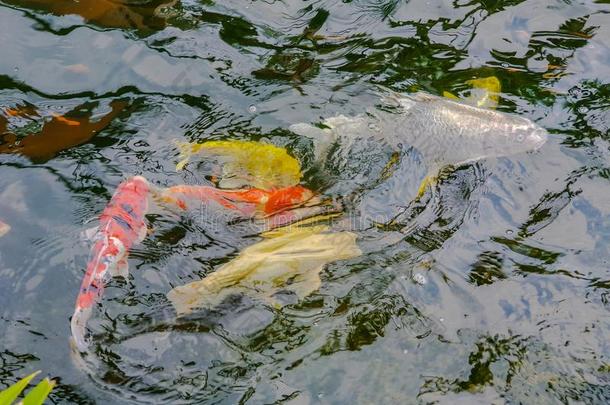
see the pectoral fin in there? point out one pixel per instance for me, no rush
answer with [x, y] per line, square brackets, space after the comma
[90, 233]
[322, 138]
[307, 283]
[450, 95]
[432, 180]
[121, 269]
[428, 181]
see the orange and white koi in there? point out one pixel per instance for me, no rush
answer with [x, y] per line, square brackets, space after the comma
[122, 225]
[249, 202]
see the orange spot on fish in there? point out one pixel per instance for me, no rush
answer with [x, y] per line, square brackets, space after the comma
[65, 120]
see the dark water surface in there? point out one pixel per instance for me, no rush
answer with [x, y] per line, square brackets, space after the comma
[495, 289]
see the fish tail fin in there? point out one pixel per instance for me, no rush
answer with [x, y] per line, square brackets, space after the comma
[78, 328]
[186, 150]
[322, 139]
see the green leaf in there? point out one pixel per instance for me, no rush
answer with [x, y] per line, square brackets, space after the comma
[39, 393]
[11, 393]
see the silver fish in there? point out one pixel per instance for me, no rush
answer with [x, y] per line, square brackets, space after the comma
[445, 132]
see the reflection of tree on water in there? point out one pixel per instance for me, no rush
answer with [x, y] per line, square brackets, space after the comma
[519, 368]
[107, 13]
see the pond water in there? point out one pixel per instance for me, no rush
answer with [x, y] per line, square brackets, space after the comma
[494, 287]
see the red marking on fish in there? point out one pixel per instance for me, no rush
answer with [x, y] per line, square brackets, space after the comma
[122, 224]
[248, 202]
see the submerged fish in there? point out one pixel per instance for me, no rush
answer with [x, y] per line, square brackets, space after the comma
[297, 255]
[270, 208]
[249, 202]
[246, 163]
[485, 92]
[142, 15]
[122, 225]
[445, 132]
[59, 133]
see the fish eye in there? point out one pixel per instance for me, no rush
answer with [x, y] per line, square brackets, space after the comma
[520, 137]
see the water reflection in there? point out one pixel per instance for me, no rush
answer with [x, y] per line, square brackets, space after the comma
[41, 138]
[143, 16]
[514, 251]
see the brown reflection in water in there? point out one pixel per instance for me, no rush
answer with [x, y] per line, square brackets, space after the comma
[106, 13]
[59, 133]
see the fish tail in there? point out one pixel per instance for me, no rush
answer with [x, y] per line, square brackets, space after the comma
[91, 290]
[78, 327]
[187, 149]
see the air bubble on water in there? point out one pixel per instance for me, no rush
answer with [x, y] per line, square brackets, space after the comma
[442, 319]
[320, 395]
[505, 65]
[373, 127]
[252, 109]
[405, 351]
[419, 278]
[509, 232]
[583, 110]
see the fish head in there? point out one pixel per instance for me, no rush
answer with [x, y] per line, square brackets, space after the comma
[527, 136]
[286, 198]
[512, 136]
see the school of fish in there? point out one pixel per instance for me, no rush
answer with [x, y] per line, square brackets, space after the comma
[445, 132]
[122, 225]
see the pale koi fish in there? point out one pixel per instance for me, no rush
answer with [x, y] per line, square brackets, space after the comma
[445, 132]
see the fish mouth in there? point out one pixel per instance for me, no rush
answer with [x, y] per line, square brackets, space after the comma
[539, 138]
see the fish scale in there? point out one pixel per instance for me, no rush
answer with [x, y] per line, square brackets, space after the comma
[445, 132]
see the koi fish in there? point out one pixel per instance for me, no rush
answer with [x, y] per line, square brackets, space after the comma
[246, 163]
[122, 225]
[249, 202]
[270, 209]
[60, 132]
[144, 16]
[298, 255]
[446, 132]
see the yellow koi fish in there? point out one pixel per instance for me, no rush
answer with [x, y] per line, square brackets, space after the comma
[246, 163]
